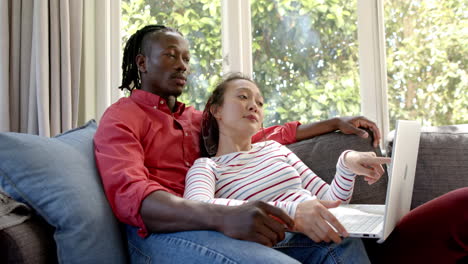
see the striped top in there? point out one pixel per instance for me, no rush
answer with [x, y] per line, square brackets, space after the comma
[268, 172]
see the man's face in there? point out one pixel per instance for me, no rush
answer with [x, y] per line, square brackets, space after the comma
[164, 65]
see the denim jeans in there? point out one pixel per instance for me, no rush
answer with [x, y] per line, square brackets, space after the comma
[305, 250]
[214, 247]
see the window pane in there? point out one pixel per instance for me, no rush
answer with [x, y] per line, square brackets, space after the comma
[305, 58]
[199, 21]
[427, 55]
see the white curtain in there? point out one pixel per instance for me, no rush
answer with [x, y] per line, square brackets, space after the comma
[45, 48]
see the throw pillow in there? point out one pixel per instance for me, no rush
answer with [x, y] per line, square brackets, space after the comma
[58, 178]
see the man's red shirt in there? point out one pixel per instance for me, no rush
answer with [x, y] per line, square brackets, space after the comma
[142, 147]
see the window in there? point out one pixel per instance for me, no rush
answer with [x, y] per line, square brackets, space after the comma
[317, 59]
[427, 55]
[305, 58]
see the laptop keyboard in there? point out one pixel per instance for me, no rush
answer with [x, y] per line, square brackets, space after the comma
[357, 221]
[360, 223]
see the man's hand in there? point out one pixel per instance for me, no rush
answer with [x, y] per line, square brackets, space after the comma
[256, 221]
[313, 219]
[366, 164]
[351, 125]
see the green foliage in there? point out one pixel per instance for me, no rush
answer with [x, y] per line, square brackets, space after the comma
[427, 54]
[305, 58]
[305, 55]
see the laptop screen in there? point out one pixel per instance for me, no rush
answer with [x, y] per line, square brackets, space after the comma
[401, 173]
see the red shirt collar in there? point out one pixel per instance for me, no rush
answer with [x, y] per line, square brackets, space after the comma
[151, 99]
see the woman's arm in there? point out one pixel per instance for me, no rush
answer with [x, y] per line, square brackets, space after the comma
[200, 186]
[341, 187]
[312, 216]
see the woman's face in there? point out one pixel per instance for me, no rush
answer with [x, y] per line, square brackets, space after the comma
[242, 109]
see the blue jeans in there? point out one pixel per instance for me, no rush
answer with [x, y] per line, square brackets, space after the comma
[214, 247]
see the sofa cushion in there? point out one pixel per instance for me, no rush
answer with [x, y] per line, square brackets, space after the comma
[57, 177]
[321, 153]
[442, 164]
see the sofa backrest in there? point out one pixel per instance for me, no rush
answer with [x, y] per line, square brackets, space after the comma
[442, 164]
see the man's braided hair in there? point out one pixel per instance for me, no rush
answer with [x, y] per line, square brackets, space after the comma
[130, 74]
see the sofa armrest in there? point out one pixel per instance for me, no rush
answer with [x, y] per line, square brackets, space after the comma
[24, 237]
[29, 242]
[321, 153]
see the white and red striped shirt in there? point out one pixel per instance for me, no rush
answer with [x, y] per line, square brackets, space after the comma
[268, 172]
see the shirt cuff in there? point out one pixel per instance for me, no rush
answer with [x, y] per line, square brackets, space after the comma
[341, 164]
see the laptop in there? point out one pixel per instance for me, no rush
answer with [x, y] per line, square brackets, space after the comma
[378, 221]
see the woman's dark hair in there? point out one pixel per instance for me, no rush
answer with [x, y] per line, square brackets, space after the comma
[209, 137]
[135, 46]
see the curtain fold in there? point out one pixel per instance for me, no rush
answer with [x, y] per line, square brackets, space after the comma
[4, 66]
[57, 69]
[39, 111]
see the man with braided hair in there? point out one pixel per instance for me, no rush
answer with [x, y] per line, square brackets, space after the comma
[145, 145]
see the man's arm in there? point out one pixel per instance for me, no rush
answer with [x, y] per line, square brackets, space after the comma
[165, 212]
[347, 125]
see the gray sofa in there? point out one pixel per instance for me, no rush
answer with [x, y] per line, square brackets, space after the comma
[29, 235]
